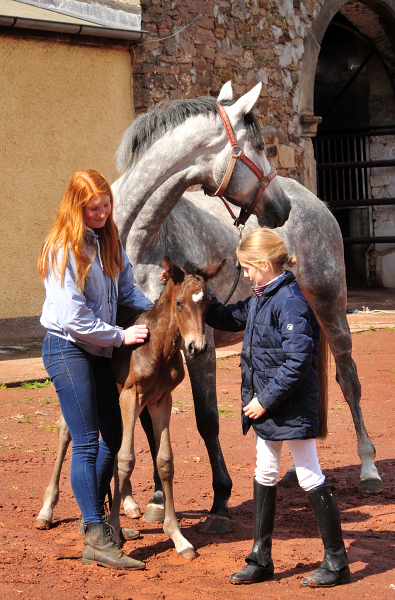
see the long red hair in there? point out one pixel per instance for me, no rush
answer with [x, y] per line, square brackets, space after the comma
[68, 232]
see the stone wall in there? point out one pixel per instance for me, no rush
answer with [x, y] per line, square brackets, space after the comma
[245, 41]
[382, 181]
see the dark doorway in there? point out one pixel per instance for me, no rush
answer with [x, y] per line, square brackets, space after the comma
[344, 97]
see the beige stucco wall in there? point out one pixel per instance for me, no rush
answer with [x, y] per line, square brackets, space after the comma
[63, 107]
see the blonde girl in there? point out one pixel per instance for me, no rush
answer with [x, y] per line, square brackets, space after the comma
[279, 391]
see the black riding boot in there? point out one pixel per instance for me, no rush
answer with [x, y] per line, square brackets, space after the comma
[259, 561]
[334, 569]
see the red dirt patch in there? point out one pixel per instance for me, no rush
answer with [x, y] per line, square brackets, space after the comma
[43, 565]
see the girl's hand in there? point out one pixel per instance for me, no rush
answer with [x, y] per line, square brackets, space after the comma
[136, 334]
[254, 410]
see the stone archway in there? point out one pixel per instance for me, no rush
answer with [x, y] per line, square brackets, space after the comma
[384, 9]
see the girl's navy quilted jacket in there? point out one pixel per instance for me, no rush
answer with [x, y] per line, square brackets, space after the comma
[279, 358]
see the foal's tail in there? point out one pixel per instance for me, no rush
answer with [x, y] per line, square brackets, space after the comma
[323, 356]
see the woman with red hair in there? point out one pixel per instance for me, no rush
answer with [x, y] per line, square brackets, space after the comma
[86, 274]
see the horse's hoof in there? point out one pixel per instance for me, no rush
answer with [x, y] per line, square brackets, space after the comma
[370, 485]
[129, 534]
[188, 554]
[155, 513]
[42, 523]
[290, 477]
[217, 524]
[133, 513]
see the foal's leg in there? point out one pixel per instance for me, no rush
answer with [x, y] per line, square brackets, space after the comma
[160, 415]
[334, 323]
[130, 505]
[126, 459]
[51, 494]
[154, 510]
[202, 373]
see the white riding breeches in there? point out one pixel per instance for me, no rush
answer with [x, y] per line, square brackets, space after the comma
[304, 454]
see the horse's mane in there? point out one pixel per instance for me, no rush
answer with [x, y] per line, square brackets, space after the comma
[152, 125]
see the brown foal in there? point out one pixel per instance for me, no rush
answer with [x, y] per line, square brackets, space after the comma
[146, 375]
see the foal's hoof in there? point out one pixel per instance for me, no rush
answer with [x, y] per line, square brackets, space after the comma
[128, 534]
[42, 523]
[155, 513]
[217, 524]
[371, 485]
[131, 508]
[188, 554]
[133, 513]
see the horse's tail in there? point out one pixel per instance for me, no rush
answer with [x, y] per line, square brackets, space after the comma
[323, 357]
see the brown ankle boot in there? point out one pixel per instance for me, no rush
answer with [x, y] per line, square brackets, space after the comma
[99, 547]
[125, 533]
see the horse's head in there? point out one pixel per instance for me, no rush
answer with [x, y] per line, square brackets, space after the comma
[190, 301]
[273, 205]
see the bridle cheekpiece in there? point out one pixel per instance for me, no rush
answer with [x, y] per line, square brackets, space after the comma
[239, 221]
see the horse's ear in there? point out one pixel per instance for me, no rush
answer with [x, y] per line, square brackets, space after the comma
[244, 104]
[226, 92]
[172, 270]
[212, 270]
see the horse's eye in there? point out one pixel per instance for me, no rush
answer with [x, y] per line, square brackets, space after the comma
[178, 304]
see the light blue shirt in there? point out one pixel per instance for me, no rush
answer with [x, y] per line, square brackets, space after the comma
[87, 318]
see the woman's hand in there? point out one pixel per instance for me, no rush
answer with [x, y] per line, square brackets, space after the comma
[254, 410]
[136, 334]
[163, 276]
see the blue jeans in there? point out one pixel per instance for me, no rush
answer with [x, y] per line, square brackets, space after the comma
[89, 401]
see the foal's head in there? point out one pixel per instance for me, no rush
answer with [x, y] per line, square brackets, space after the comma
[190, 301]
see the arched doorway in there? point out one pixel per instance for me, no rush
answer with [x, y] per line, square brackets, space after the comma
[354, 94]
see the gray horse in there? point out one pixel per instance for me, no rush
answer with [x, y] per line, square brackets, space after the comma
[184, 143]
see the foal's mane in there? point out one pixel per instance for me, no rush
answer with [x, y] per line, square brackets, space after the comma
[152, 125]
[192, 269]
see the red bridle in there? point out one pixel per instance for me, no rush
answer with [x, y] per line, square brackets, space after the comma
[237, 153]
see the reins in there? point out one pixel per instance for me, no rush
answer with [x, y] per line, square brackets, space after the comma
[239, 221]
[245, 213]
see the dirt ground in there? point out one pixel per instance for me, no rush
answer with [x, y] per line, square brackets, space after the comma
[43, 565]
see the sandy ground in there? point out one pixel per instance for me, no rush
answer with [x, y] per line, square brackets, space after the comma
[41, 565]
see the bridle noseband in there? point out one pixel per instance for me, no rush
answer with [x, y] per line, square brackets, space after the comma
[237, 153]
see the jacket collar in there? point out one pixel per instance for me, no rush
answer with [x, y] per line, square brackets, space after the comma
[95, 240]
[286, 277]
[90, 233]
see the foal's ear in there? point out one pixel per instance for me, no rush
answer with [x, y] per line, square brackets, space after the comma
[173, 271]
[212, 271]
